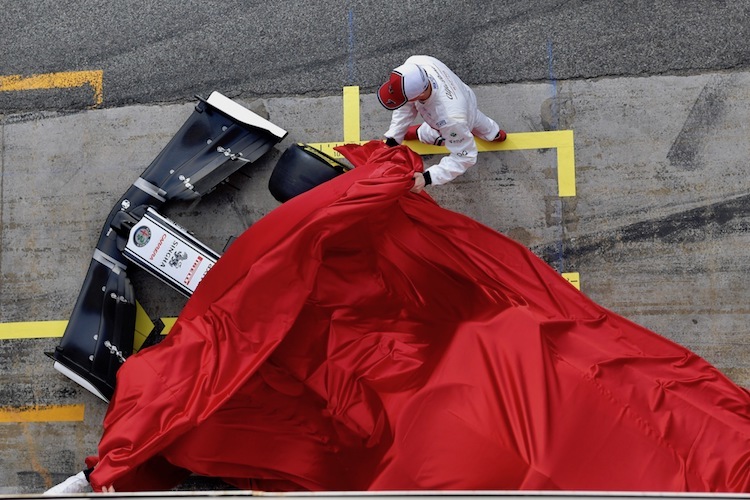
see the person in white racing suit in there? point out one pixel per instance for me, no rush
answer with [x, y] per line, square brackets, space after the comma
[425, 86]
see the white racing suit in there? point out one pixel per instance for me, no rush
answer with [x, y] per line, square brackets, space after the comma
[450, 113]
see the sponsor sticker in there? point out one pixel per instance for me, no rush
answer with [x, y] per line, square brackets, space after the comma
[169, 254]
[193, 268]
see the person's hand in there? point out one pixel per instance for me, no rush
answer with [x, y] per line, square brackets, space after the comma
[108, 489]
[419, 183]
[390, 142]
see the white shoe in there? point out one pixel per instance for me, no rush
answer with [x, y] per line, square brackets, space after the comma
[74, 484]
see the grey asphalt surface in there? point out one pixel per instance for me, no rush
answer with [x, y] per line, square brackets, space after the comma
[154, 52]
[655, 92]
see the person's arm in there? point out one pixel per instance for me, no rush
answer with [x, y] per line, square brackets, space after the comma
[400, 121]
[463, 154]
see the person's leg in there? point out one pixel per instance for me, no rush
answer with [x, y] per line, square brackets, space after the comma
[429, 135]
[411, 133]
[74, 484]
[486, 128]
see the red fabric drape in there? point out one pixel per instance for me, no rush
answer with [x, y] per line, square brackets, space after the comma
[360, 337]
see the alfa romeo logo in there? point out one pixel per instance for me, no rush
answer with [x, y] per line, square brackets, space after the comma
[142, 236]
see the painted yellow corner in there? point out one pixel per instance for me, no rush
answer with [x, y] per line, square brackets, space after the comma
[560, 140]
[68, 79]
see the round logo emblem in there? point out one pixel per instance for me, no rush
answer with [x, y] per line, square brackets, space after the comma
[142, 236]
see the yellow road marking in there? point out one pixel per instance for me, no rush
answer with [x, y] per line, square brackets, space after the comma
[55, 413]
[32, 330]
[573, 278]
[56, 329]
[351, 114]
[560, 140]
[67, 79]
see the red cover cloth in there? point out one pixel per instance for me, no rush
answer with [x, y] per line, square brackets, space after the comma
[360, 337]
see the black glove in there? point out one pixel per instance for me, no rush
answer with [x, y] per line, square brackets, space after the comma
[390, 142]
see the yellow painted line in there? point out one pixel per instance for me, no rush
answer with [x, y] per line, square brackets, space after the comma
[67, 79]
[56, 413]
[566, 165]
[351, 114]
[32, 330]
[560, 140]
[327, 147]
[573, 278]
[56, 329]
